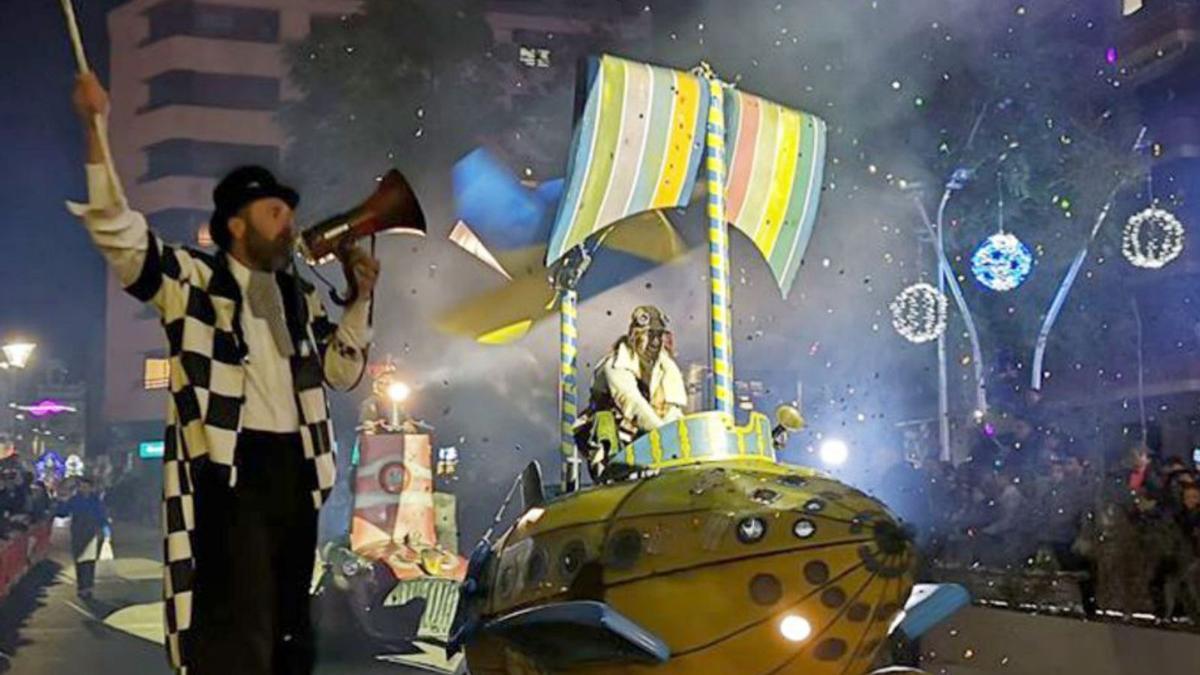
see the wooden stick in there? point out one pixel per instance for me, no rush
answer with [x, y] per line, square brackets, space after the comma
[102, 134]
[101, 125]
[76, 40]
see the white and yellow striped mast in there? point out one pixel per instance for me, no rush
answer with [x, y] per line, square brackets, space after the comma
[720, 334]
[568, 392]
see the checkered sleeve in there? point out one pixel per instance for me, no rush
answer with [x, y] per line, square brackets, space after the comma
[149, 270]
[164, 272]
[343, 348]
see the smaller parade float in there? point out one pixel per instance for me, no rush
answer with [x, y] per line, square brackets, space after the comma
[395, 581]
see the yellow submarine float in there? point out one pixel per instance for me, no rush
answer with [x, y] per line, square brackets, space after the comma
[708, 556]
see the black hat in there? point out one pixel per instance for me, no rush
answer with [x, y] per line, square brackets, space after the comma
[243, 186]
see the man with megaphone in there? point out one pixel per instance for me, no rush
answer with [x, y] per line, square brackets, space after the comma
[248, 446]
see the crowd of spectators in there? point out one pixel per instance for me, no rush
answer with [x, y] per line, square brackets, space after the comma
[1124, 526]
[23, 499]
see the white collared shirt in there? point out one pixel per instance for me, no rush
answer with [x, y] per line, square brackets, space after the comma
[123, 238]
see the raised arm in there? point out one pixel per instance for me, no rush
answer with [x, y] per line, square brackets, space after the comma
[148, 269]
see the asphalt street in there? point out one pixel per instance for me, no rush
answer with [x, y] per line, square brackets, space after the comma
[46, 630]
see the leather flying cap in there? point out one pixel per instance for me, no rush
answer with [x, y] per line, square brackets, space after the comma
[648, 317]
[243, 186]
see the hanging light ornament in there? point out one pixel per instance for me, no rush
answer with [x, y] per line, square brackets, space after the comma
[50, 467]
[1152, 238]
[74, 466]
[919, 313]
[1002, 261]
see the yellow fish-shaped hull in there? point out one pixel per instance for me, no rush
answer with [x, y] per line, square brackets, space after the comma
[738, 565]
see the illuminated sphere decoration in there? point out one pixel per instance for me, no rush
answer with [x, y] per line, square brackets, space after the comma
[1152, 239]
[1001, 262]
[919, 313]
[74, 466]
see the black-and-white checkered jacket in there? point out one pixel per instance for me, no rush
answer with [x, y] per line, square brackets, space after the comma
[200, 303]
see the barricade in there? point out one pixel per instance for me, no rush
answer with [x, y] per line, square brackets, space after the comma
[20, 551]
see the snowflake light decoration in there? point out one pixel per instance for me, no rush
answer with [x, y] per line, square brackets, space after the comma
[919, 313]
[1001, 262]
[1152, 238]
[50, 467]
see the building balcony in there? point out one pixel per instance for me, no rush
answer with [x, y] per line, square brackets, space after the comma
[1160, 37]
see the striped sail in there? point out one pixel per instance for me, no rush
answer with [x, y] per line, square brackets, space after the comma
[776, 158]
[637, 147]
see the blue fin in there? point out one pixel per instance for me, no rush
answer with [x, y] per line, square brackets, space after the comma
[929, 605]
[568, 634]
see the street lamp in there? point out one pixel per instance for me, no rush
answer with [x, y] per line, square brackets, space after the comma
[16, 354]
[16, 357]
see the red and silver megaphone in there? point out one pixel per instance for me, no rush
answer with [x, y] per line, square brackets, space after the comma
[392, 208]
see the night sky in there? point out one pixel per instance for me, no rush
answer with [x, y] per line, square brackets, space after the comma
[52, 280]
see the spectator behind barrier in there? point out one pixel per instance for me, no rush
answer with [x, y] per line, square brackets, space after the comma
[15, 498]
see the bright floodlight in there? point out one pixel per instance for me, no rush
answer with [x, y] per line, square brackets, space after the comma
[398, 392]
[795, 628]
[834, 452]
[17, 353]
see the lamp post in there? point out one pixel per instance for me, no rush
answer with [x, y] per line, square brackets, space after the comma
[16, 356]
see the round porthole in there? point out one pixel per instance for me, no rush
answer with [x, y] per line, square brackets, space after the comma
[765, 590]
[571, 558]
[804, 528]
[751, 530]
[624, 549]
[392, 477]
[816, 572]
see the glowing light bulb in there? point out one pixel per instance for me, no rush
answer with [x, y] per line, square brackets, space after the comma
[398, 392]
[834, 452]
[795, 628]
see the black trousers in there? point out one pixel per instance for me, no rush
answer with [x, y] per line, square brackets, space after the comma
[254, 552]
[85, 576]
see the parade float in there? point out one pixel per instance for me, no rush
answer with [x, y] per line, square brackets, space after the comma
[702, 552]
[392, 587]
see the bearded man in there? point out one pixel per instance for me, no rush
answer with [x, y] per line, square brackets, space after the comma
[248, 449]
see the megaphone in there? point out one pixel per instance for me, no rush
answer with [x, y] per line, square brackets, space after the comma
[392, 209]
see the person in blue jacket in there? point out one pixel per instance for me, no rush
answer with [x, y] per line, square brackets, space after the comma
[89, 529]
